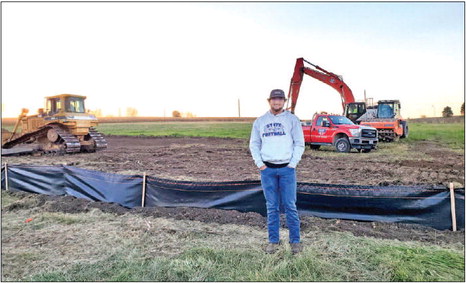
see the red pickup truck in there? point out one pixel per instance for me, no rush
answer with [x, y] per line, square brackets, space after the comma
[339, 131]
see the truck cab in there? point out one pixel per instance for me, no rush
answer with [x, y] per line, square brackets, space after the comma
[340, 132]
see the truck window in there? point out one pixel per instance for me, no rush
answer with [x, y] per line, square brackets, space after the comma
[325, 119]
[319, 121]
[341, 120]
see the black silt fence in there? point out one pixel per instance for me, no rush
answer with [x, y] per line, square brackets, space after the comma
[106, 187]
[244, 196]
[424, 205]
[406, 204]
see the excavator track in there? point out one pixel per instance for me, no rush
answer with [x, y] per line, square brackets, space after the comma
[100, 142]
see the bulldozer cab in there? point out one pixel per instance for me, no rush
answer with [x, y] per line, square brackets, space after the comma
[65, 103]
[355, 110]
[388, 108]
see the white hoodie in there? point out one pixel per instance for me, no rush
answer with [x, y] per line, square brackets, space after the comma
[277, 139]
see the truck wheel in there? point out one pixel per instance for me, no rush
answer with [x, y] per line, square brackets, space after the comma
[367, 150]
[342, 145]
[405, 129]
[315, 146]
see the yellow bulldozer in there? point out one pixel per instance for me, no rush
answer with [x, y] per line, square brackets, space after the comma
[63, 126]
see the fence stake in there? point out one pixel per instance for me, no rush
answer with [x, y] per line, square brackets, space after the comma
[6, 176]
[453, 207]
[143, 189]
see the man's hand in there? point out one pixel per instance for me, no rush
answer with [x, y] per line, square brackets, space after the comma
[263, 167]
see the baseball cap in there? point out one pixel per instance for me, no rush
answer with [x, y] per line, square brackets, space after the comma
[277, 93]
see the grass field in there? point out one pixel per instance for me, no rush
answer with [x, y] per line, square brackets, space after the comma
[451, 134]
[179, 129]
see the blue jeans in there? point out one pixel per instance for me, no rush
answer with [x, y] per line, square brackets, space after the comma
[279, 185]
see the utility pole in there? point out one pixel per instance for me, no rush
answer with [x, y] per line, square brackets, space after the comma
[239, 108]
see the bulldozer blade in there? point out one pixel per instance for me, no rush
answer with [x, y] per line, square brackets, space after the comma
[26, 149]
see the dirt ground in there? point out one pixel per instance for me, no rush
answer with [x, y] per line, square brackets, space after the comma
[225, 159]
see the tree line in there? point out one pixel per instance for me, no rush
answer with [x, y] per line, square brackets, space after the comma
[447, 112]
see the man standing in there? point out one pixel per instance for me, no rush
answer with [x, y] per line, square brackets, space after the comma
[277, 144]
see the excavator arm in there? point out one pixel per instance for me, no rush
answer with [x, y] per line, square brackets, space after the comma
[320, 74]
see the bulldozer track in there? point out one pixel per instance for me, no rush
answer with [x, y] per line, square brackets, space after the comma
[100, 142]
[71, 143]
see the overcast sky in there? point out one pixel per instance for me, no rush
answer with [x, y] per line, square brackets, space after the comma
[203, 57]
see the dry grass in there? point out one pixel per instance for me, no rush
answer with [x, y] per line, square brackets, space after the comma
[97, 246]
[57, 240]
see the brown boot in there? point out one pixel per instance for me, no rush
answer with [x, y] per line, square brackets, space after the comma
[272, 248]
[296, 248]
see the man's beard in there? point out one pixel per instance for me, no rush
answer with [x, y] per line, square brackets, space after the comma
[277, 108]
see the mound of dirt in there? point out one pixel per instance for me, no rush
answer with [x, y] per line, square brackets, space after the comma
[402, 232]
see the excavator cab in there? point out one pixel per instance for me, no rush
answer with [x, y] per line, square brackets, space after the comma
[388, 109]
[354, 110]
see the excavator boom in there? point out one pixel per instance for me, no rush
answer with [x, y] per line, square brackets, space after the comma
[320, 74]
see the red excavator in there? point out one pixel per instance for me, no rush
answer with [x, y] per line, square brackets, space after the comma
[385, 117]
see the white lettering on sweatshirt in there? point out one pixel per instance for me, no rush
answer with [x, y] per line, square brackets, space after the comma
[277, 139]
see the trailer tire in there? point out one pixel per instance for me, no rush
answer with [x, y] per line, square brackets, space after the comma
[342, 145]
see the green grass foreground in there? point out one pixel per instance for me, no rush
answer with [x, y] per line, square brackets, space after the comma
[343, 257]
[136, 248]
